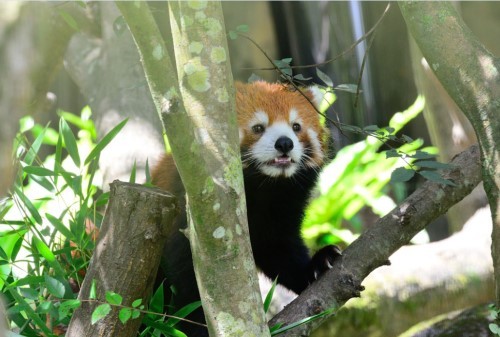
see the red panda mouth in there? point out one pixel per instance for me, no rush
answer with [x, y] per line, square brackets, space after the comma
[281, 162]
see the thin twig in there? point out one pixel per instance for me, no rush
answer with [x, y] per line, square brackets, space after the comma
[358, 41]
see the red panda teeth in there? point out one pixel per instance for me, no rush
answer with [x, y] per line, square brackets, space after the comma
[281, 161]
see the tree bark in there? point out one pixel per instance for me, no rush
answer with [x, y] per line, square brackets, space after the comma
[200, 121]
[108, 71]
[470, 74]
[31, 51]
[423, 281]
[126, 257]
[449, 130]
[374, 247]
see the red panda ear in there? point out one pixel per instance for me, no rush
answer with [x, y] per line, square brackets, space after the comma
[316, 95]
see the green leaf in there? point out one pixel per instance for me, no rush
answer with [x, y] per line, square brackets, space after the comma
[436, 177]
[96, 151]
[102, 200]
[33, 150]
[69, 19]
[29, 293]
[26, 123]
[29, 205]
[124, 315]
[433, 164]
[254, 78]
[135, 313]
[422, 155]
[25, 306]
[494, 328]
[93, 290]
[233, 35]
[302, 321]
[269, 296]
[283, 66]
[113, 298]
[350, 88]
[402, 174]
[371, 128]
[148, 174]
[58, 159]
[81, 123]
[137, 303]
[59, 226]
[69, 141]
[47, 254]
[156, 304]
[54, 286]
[100, 312]
[132, 174]
[39, 171]
[393, 153]
[301, 77]
[183, 312]
[67, 306]
[168, 330]
[242, 28]
[324, 77]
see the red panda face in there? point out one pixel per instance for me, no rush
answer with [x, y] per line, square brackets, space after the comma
[280, 131]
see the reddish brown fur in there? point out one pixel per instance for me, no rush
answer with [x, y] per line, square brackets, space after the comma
[276, 100]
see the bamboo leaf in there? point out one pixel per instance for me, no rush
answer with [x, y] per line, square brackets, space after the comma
[69, 141]
[269, 296]
[96, 151]
[29, 205]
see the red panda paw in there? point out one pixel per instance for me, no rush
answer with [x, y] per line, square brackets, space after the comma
[323, 260]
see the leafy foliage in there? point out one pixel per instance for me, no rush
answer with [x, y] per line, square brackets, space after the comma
[47, 223]
[358, 177]
[47, 229]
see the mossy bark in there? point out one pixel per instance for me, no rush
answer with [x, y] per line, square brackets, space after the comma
[470, 75]
[199, 116]
[126, 257]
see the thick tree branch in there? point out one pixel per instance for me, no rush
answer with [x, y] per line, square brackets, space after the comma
[471, 75]
[374, 247]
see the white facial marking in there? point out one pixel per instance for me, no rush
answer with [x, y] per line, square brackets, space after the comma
[316, 144]
[260, 117]
[293, 115]
[265, 153]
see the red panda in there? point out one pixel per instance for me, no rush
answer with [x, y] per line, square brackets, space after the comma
[283, 147]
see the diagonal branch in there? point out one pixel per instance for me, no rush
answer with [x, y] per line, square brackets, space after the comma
[374, 247]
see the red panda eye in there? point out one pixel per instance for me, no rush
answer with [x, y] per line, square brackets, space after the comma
[259, 128]
[296, 127]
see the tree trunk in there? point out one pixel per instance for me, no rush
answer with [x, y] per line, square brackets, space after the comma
[31, 51]
[470, 75]
[449, 130]
[126, 257]
[108, 71]
[199, 117]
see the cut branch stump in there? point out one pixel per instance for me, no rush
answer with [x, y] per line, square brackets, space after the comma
[126, 257]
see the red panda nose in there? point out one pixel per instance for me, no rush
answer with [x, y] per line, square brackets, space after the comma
[284, 144]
